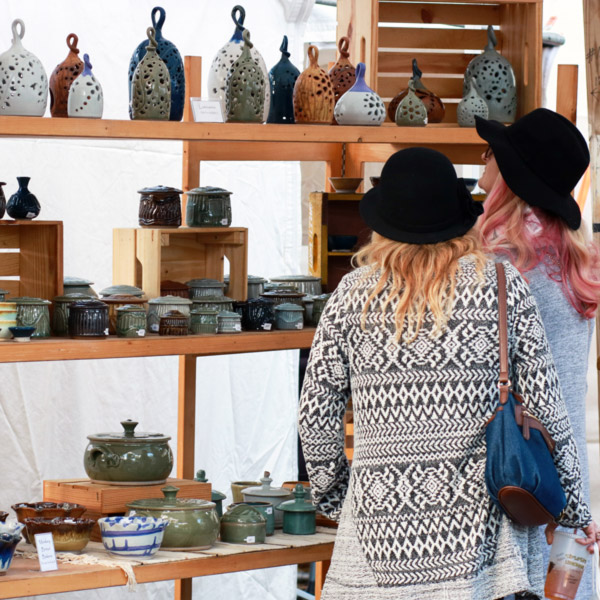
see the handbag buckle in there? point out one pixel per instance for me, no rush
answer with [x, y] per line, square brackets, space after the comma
[502, 384]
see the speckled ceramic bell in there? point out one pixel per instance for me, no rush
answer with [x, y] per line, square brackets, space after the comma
[62, 78]
[343, 73]
[494, 80]
[151, 85]
[282, 78]
[411, 112]
[360, 105]
[313, 93]
[85, 94]
[170, 56]
[23, 80]
[472, 104]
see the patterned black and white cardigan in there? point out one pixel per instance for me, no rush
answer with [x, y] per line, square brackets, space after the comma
[421, 509]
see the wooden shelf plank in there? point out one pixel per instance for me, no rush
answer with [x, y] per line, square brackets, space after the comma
[154, 345]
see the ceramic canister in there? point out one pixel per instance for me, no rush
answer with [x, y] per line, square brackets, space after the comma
[115, 301]
[34, 312]
[289, 316]
[157, 307]
[160, 206]
[258, 315]
[60, 317]
[131, 321]
[86, 98]
[299, 515]
[256, 286]
[8, 318]
[3, 294]
[205, 287]
[208, 207]
[282, 296]
[78, 285]
[229, 322]
[174, 322]
[203, 320]
[243, 524]
[267, 493]
[218, 303]
[88, 319]
[307, 284]
[265, 509]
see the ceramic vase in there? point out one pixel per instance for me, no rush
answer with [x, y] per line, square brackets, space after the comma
[282, 78]
[411, 112]
[343, 73]
[151, 85]
[170, 56]
[224, 59]
[494, 81]
[246, 87]
[85, 95]
[23, 204]
[360, 105]
[472, 104]
[23, 81]
[2, 200]
[62, 78]
[434, 105]
[313, 93]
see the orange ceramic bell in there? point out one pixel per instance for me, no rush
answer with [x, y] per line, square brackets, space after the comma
[313, 93]
[343, 73]
[63, 76]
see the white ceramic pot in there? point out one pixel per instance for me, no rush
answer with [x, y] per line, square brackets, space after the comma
[85, 94]
[360, 105]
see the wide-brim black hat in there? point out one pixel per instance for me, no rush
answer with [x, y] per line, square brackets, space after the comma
[419, 199]
[541, 157]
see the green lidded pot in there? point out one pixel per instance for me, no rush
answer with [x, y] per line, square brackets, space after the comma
[203, 320]
[266, 510]
[34, 312]
[157, 307]
[208, 207]
[215, 496]
[289, 316]
[115, 301]
[131, 321]
[218, 303]
[60, 318]
[193, 524]
[243, 524]
[229, 322]
[128, 458]
[205, 287]
[266, 493]
[299, 515]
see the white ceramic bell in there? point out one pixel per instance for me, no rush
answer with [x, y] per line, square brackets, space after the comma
[360, 105]
[224, 59]
[472, 104]
[85, 95]
[23, 81]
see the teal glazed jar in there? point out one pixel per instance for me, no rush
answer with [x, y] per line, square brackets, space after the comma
[289, 316]
[229, 322]
[208, 207]
[34, 312]
[215, 496]
[203, 320]
[299, 515]
[60, 317]
[131, 321]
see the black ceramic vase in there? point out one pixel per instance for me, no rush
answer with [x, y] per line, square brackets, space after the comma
[2, 200]
[282, 78]
[23, 204]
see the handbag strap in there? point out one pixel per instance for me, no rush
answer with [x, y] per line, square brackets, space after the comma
[503, 382]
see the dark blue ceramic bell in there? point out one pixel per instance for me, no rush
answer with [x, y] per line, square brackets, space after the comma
[282, 78]
[23, 204]
[170, 56]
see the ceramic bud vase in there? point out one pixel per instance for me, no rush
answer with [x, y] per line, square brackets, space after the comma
[246, 88]
[85, 96]
[151, 85]
[343, 73]
[282, 78]
[434, 105]
[411, 111]
[23, 81]
[170, 56]
[360, 105]
[62, 78]
[224, 59]
[472, 104]
[23, 204]
[2, 200]
[494, 80]
[313, 93]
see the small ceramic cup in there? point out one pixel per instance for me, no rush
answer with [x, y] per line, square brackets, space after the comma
[22, 333]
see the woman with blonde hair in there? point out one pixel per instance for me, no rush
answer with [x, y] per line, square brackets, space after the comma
[412, 336]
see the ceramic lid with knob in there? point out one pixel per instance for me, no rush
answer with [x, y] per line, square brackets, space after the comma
[299, 504]
[123, 299]
[289, 306]
[265, 489]
[215, 494]
[128, 435]
[282, 293]
[131, 290]
[208, 191]
[71, 297]
[160, 189]
[171, 502]
[204, 282]
[170, 300]
[76, 281]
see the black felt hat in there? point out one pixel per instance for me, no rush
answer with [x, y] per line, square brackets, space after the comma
[541, 157]
[419, 199]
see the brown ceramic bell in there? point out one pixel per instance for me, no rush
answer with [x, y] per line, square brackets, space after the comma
[63, 76]
[313, 93]
[433, 104]
[343, 73]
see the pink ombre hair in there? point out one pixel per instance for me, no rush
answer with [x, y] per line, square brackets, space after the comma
[568, 256]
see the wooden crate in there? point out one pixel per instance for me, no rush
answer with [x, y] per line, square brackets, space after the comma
[443, 36]
[31, 252]
[145, 257]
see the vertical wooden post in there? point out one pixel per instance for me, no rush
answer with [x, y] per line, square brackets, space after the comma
[321, 573]
[566, 91]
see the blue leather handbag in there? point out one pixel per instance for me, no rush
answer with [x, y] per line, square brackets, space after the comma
[519, 473]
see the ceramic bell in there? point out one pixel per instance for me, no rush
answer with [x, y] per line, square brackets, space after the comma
[343, 73]
[151, 85]
[246, 88]
[85, 95]
[282, 78]
[434, 105]
[494, 80]
[23, 204]
[224, 59]
[170, 56]
[62, 78]
[23, 81]
[2, 200]
[411, 111]
[472, 104]
[313, 93]
[360, 105]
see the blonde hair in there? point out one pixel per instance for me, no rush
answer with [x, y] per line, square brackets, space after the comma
[422, 277]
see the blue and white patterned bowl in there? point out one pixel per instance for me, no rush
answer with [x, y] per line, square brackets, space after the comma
[132, 536]
[10, 535]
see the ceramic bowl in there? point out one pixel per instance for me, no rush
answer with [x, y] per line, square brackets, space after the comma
[345, 185]
[10, 534]
[69, 534]
[46, 510]
[470, 183]
[341, 243]
[21, 333]
[132, 536]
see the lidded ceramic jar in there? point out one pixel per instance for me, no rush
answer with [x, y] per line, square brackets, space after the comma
[174, 288]
[289, 316]
[282, 296]
[208, 207]
[8, 318]
[160, 206]
[88, 319]
[205, 287]
[115, 301]
[86, 99]
[318, 306]
[243, 524]
[360, 105]
[282, 78]
[62, 78]
[193, 524]
[78, 285]
[174, 322]
[34, 312]
[218, 303]
[130, 290]
[307, 284]
[265, 509]
[215, 496]
[229, 322]
[267, 493]
[256, 286]
[258, 315]
[299, 515]
[131, 321]
[157, 307]
[60, 317]
[128, 457]
[203, 320]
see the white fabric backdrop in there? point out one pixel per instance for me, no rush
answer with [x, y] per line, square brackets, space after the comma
[246, 405]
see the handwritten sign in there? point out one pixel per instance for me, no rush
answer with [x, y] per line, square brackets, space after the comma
[206, 111]
[46, 554]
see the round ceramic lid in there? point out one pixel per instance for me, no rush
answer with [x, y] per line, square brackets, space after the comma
[88, 304]
[122, 289]
[73, 297]
[251, 279]
[170, 300]
[292, 278]
[26, 300]
[171, 502]
[76, 281]
[123, 299]
[282, 294]
[265, 489]
[289, 306]
[212, 298]
[128, 435]
[200, 283]
[208, 191]
[242, 513]
[131, 308]
[160, 189]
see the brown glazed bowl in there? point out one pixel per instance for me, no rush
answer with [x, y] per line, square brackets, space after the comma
[69, 534]
[46, 510]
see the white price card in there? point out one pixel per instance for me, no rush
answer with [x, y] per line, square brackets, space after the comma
[45, 549]
[206, 111]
